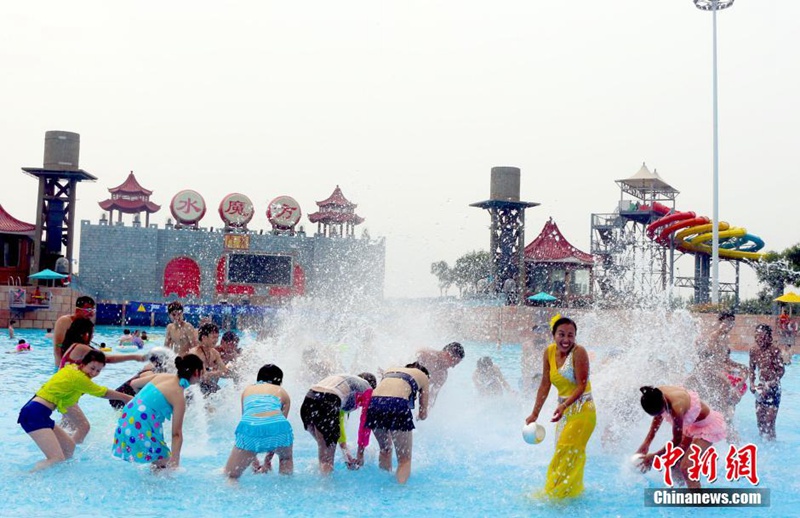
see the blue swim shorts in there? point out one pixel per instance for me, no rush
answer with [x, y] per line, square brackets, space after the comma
[35, 416]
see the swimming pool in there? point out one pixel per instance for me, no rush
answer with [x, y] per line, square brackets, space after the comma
[469, 458]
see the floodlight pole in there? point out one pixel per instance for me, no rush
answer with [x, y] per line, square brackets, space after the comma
[714, 6]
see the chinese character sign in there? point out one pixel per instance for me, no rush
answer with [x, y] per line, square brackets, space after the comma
[188, 207]
[283, 212]
[236, 210]
[739, 463]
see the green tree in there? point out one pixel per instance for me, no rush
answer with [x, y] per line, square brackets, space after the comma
[471, 268]
[445, 275]
[778, 269]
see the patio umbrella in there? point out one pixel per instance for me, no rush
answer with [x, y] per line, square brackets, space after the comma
[789, 298]
[47, 275]
[542, 297]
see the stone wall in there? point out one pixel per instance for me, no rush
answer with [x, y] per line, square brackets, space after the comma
[120, 263]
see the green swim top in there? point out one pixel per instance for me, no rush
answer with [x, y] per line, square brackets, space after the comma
[66, 387]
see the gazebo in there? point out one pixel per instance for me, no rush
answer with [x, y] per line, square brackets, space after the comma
[555, 266]
[129, 198]
[16, 240]
[336, 212]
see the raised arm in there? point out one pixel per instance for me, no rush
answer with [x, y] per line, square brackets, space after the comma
[544, 389]
[118, 358]
[142, 380]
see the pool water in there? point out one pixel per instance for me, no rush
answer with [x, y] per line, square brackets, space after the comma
[469, 458]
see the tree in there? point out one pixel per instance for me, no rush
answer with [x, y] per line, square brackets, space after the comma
[471, 268]
[445, 275]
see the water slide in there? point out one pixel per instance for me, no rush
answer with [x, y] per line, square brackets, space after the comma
[693, 234]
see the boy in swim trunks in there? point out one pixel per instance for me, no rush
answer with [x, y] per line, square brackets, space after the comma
[766, 359]
[390, 418]
[181, 336]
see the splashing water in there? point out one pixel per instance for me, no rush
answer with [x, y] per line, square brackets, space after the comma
[469, 458]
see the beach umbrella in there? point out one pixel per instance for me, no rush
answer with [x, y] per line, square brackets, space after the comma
[47, 275]
[542, 297]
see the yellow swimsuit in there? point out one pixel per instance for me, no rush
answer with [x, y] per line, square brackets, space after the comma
[565, 474]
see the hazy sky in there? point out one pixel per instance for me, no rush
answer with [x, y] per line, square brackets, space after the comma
[407, 105]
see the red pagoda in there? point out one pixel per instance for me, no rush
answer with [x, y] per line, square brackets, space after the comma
[336, 216]
[16, 239]
[556, 267]
[130, 198]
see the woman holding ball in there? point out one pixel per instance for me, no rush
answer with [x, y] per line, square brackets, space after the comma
[565, 364]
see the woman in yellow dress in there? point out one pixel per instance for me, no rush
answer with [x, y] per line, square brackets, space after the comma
[566, 365]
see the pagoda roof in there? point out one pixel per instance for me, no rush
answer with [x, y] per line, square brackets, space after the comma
[550, 246]
[336, 199]
[129, 206]
[130, 186]
[11, 225]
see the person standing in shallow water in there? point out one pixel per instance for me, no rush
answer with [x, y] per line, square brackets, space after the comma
[565, 364]
[180, 334]
[766, 360]
[390, 416]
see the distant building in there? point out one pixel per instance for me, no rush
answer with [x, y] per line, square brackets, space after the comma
[556, 267]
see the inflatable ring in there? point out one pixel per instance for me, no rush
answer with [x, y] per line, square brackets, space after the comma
[106, 349]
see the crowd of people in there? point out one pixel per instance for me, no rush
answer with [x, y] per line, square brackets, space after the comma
[700, 410]
[156, 394]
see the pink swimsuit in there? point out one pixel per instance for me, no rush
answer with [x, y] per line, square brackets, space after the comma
[712, 428]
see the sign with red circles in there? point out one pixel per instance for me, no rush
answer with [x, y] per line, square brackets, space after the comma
[188, 207]
[284, 212]
[236, 210]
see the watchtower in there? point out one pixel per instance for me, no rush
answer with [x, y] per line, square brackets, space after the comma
[55, 207]
[507, 231]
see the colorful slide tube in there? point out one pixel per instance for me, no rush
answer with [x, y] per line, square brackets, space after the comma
[693, 234]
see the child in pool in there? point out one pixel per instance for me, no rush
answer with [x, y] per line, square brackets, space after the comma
[62, 391]
[264, 427]
[21, 347]
[139, 436]
[693, 423]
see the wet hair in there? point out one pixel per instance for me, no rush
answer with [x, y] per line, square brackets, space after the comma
[271, 374]
[22, 341]
[84, 302]
[652, 400]
[126, 331]
[726, 315]
[76, 332]
[207, 329]
[484, 362]
[93, 356]
[369, 378]
[230, 336]
[174, 306]
[188, 365]
[456, 349]
[766, 329]
[562, 321]
[419, 366]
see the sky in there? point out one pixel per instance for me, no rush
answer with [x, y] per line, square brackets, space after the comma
[407, 106]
